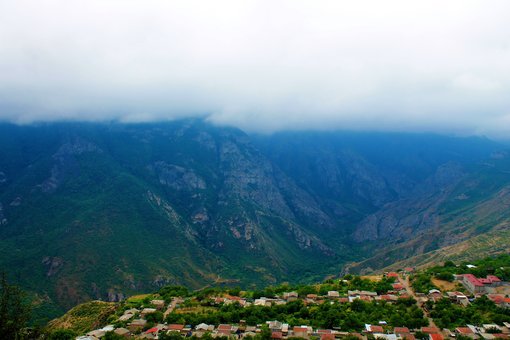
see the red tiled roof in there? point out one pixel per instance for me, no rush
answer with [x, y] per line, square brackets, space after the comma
[471, 278]
[392, 274]
[497, 299]
[376, 329]
[436, 336]
[298, 329]
[408, 337]
[464, 330]
[152, 330]
[397, 286]
[400, 330]
[224, 327]
[329, 336]
[175, 327]
[493, 278]
[501, 336]
[430, 330]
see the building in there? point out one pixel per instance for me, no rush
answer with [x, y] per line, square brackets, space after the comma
[480, 285]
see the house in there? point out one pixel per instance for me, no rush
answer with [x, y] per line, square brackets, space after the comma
[263, 302]
[176, 328]
[146, 311]
[466, 331]
[137, 325]
[435, 295]
[498, 299]
[153, 331]
[128, 314]
[226, 329]
[392, 274]
[300, 331]
[274, 326]
[327, 336]
[397, 286]
[122, 332]
[232, 299]
[290, 296]
[480, 285]
[333, 294]
[204, 327]
[435, 336]
[373, 329]
[159, 304]
[401, 330]
[430, 330]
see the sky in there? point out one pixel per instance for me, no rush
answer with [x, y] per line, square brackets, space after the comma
[428, 66]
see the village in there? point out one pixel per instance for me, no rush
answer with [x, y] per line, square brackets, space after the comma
[139, 322]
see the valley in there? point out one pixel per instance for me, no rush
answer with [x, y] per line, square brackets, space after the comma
[103, 211]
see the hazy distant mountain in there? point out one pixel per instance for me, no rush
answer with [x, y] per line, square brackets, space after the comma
[103, 210]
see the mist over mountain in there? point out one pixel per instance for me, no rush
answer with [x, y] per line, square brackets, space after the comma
[99, 211]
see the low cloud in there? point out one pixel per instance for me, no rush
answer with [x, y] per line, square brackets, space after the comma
[260, 65]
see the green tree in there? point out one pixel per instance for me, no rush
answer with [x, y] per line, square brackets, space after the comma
[112, 336]
[14, 310]
[62, 334]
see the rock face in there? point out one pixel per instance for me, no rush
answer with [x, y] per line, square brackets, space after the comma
[177, 177]
[65, 163]
[52, 264]
[404, 218]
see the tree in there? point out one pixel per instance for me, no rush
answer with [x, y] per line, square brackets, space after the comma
[14, 310]
[62, 334]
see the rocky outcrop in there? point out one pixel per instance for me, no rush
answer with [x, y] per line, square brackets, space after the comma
[249, 176]
[65, 163]
[177, 177]
[52, 264]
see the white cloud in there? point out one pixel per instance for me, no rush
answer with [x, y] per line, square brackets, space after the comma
[260, 65]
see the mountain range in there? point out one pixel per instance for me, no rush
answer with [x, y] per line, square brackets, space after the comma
[104, 210]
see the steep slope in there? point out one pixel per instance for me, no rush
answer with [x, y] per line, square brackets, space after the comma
[96, 212]
[456, 221]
